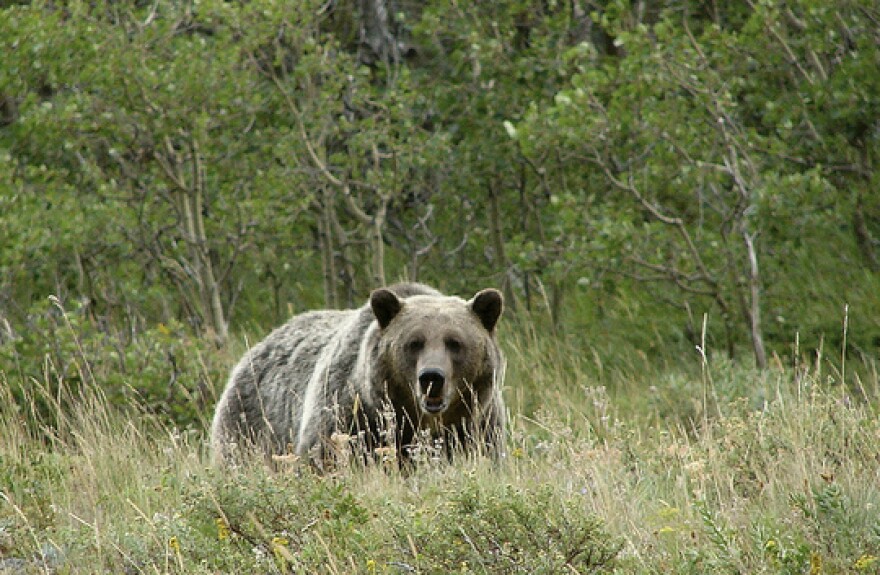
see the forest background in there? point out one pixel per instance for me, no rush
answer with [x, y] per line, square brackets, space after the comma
[655, 185]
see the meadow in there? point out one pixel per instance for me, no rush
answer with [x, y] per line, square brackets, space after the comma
[708, 468]
[182, 175]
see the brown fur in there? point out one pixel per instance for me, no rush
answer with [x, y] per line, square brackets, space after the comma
[411, 362]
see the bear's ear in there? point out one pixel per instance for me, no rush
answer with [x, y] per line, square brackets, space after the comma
[487, 305]
[385, 306]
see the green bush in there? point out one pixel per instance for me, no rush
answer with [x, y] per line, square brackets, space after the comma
[164, 369]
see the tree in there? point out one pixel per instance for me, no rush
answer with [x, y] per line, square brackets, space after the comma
[162, 142]
[222, 163]
[683, 124]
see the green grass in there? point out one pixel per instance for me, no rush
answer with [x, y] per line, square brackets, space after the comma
[706, 469]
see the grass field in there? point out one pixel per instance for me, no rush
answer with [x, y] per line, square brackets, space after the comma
[712, 468]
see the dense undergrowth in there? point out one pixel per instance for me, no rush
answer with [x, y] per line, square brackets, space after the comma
[710, 469]
[667, 192]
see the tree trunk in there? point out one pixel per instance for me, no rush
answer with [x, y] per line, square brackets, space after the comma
[863, 236]
[497, 237]
[378, 42]
[345, 274]
[189, 198]
[378, 241]
[209, 284]
[325, 239]
[753, 309]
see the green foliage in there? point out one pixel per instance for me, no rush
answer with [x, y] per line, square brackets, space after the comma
[700, 134]
[455, 525]
[163, 369]
[499, 528]
[590, 485]
[216, 163]
[645, 181]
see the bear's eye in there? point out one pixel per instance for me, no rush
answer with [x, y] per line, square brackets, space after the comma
[453, 344]
[415, 345]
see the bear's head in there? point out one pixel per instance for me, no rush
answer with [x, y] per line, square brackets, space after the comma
[437, 352]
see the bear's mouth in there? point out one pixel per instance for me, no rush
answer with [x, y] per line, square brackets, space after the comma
[431, 386]
[433, 405]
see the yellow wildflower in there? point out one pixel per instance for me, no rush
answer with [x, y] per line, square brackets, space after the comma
[174, 545]
[864, 562]
[815, 564]
[280, 550]
[222, 529]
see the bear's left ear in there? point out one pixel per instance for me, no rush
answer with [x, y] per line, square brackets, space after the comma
[385, 306]
[487, 305]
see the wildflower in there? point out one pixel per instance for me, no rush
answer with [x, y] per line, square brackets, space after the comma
[371, 565]
[174, 545]
[385, 453]
[815, 564]
[518, 453]
[668, 512]
[279, 542]
[280, 550]
[222, 529]
[259, 554]
[864, 562]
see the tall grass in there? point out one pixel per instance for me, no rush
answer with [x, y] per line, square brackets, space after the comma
[709, 468]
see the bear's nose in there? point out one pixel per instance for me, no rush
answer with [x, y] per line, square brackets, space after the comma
[431, 381]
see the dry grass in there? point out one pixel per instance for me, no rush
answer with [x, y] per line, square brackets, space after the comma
[729, 470]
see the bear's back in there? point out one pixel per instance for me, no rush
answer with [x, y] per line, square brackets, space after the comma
[265, 398]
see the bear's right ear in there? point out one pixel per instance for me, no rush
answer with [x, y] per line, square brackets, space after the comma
[487, 304]
[385, 306]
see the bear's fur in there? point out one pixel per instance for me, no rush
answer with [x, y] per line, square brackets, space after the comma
[430, 360]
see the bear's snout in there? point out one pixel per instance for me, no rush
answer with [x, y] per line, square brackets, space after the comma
[431, 383]
[432, 380]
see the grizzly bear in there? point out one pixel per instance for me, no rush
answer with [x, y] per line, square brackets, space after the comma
[410, 364]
